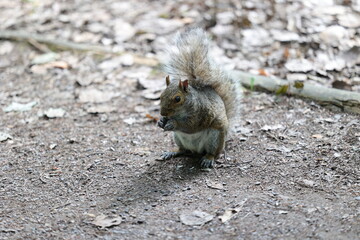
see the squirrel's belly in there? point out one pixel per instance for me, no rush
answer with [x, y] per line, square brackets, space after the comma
[197, 142]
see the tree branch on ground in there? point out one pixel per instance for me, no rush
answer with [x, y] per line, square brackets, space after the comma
[33, 39]
[345, 100]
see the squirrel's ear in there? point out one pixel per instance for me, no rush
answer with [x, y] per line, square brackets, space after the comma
[167, 80]
[185, 85]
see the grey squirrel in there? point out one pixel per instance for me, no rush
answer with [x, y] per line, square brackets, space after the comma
[200, 102]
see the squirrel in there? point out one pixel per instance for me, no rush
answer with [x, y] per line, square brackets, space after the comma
[201, 101]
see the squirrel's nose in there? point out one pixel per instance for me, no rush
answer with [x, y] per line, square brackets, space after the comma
[163, 112]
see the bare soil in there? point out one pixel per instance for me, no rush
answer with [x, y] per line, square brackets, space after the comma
[291, 169]
[293, 166]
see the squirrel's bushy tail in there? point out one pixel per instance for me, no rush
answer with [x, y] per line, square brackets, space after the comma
[189, 59]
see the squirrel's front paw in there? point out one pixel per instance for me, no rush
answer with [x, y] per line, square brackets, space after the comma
[162, 122]
[169, 126]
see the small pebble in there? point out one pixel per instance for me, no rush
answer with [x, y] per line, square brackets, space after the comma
[53, 146]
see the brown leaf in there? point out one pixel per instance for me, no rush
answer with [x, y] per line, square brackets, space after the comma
[262, 72]
[155, 119]
[286, 53]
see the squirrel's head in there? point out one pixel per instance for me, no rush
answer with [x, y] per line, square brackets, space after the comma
[173, 97]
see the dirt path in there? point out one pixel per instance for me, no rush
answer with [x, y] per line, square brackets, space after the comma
[295, 164]
[291, 170]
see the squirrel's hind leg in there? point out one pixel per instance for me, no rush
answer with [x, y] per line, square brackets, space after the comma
[214, 145]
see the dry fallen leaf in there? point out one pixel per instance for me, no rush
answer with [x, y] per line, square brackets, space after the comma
[215, 185]
[155, 119]
[262, 72]
[286, 53]
[306, 183]
[45, 58]
[187, 20]
[19, 107]
[153, 84]
[195, 218]
[351, 20]
[231, 212]
[299, 65]
[54, 113]
[334, 35]
[58, 64]
[4, 136]
[123, 30]
[101, 109]
[130, 120]
[272, 127]
[103, 221]
[93, 95]
[150, 95]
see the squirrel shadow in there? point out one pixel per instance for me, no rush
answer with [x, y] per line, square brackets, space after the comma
[161, 179]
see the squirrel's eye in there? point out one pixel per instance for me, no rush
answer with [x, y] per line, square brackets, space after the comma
[177, 99]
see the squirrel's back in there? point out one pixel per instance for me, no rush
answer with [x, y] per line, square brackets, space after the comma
[189, 59]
